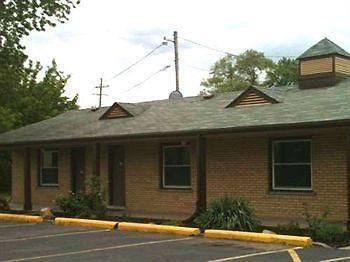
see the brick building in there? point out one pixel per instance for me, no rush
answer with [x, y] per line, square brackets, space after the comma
[281, 148]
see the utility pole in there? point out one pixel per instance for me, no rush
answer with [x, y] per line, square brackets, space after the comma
[176, 50]
[176, 60]
[100, 94]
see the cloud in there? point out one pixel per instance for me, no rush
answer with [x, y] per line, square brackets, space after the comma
[103, 37]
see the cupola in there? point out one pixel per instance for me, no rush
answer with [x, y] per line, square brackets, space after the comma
[324, 64]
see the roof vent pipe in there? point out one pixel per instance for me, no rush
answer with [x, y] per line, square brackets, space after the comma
[175, 95]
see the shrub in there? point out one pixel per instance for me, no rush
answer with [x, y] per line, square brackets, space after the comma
[227, 213]
[329, 233]
[315, 223]
[292, 228]
[322, 231]
[4, 205]
[85, 205]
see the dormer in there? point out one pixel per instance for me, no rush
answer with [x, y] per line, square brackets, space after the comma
[116, 111]
[252, 96]
[324, 64]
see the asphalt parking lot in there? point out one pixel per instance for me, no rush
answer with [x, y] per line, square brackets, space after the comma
[48, 242]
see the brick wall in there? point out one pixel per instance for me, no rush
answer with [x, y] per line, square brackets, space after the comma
[240, 167]
[237, 166]
[45, 196]
[143, 192]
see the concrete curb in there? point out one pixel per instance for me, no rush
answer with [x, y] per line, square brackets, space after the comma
[260, 237]
[85, 222]
[21, 218]
[186, 231]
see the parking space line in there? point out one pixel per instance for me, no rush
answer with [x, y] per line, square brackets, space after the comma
[294, 255]
[99, 249]
[17, 225]
[336, 259]
[53, 235]
[253, 255]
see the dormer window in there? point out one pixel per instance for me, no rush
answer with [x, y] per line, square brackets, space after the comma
[251, 97]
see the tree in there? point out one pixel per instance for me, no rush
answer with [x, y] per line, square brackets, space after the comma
[19, 18]
[249, 68]
[284, 72]
[24, 98]
[235, 73]
[19, 81]
[45, 98]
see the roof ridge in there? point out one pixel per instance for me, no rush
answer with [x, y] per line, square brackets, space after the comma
[324, 47]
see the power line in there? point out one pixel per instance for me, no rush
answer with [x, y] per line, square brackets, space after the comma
[225, 52]
[208, 47]
[148, 78]
[137, 62]
[196, 67]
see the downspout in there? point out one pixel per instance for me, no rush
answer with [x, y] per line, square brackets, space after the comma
[201, 203]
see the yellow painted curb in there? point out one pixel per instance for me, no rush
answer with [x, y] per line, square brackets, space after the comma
[260, 237]
[21, 218]
[187, 231]
[85, 222]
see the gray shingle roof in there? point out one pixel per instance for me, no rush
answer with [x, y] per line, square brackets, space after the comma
[324, 47]
[192, 114]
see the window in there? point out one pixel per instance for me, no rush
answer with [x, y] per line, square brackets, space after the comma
[176, 166]
[291, 164]
[48, 167]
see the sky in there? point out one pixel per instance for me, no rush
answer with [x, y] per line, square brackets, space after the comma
[103, 37]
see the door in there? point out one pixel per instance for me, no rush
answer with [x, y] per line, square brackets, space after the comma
[116, 176]
[78, 169]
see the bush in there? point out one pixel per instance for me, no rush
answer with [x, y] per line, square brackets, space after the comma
[322, 231]
[292, 228]
[85, 205]
[330, 234]
[4, 205]
[315, 223]
[227, 213]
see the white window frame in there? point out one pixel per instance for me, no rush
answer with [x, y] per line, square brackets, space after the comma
[42, 152]
[163, 164]
[290, 164]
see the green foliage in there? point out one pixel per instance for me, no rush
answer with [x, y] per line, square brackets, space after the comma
[43, 99]
[251, 64]
[249, 68]
[320, 230]
[315, 223]
[85, 205]
[224, 77]
[19, 18]
[4, 205]
[283, 73]
[227, 213]
[329, 233]
[292, 228]
[24, 98]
